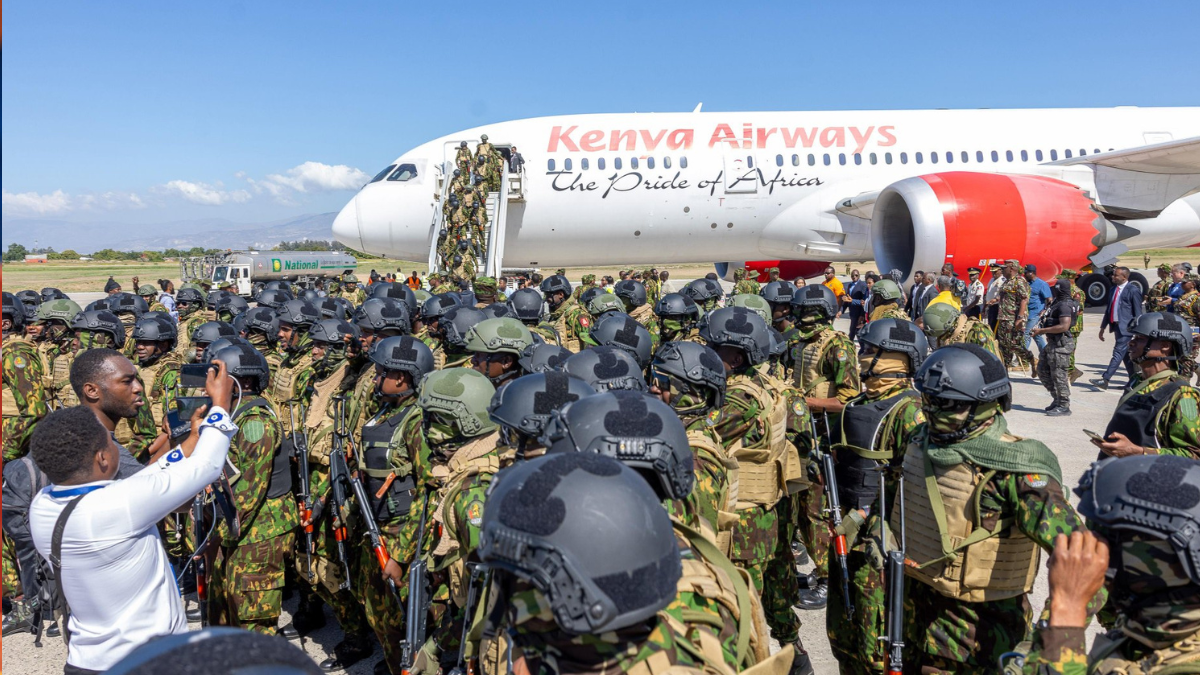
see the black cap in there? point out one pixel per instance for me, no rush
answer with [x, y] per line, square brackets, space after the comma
[1031, 268]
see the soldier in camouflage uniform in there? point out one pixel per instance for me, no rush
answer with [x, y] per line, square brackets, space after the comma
[158, 365]
[398, 363]
[745, 281]
[825, 370]
[1144, 544]
[1077, 296]
[1156, 297]
[51, 333]
[485, 168]
[462, 159]
[778, 295]
[968, 480]
[192, 308]
[768, 427]
[634, 297]
[588, 281]
[887, 301]
[246, 584]
[24, 380]
[454, 327]
[350, 290]
[296, 317]
[485, 292]
[946, 325]
[706, 293]
[526, 305]
[566, 315]
[1014, 312]
[432, 312]
[260, 328]
[149, 294]
[678, 317]
[129, 308]
[653, 286]
[496, 346]
[876, 427]
[1188, 307]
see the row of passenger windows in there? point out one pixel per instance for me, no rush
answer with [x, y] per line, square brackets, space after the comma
[634, 163]
[949, 157]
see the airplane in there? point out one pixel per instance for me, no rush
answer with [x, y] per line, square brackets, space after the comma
[1059, 188]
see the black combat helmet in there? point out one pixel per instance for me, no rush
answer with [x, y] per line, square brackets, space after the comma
[14, 310]
[524, 406]
[526, 305]
[437, 306]
[50, 293]
[155, 329]
[243, 360]
[688, 368]
[403, 353]
[556, 283]
[895, 335]
[778, 292]
[964, 372]
[703, 290]
[30, 299]
[330, 308]
[541, 357]
[127, 303]
[211, 331]
[815, 297]
[498, 310]
[457, 322]
[380, 314]
[617, 561]
[231, 305]
[638, 429]
[606, 368]
[632, 291]
[1164, 326]
[674, 305]
[298, 313]
[398, 291]
[622, 331]
[308, 295]
[217, 345]
[100, 321]
[274, 298]
[190, 296]
[213, 296]
[589, 293]
[741, 328]
[264, 320]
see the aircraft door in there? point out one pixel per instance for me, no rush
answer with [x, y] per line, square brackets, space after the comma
[741, 173]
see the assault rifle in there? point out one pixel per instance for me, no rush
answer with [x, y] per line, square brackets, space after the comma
[303, 495]
[418, 598]
[338, 479]
[199, 556]
[835, 515]
[462, 666]
[894, 579]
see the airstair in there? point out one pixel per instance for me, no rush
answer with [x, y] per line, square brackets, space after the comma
[496, 205]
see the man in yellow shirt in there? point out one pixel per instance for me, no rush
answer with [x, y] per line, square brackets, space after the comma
[945, 287]
[834, 284]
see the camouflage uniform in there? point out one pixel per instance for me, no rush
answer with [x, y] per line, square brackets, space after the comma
[1010, 338]
[1178, 426]
[246, 584]
[1156, 297]
[971, 331]
[462, 160]
[1077, 327]
[572, 323]
[187, 324]
[24, 395]
[855, 641]
[743, 284]
[653, 288]
[12, 574]
[888, 311]
[588, 281]
[1188, 307]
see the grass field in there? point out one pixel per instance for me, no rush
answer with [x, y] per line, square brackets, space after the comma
[90, 276]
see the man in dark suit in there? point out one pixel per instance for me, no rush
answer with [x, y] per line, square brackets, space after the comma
[1124, 305]
[918, 284]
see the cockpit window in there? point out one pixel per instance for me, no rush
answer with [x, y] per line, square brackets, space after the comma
[404, 172]
[379, 176]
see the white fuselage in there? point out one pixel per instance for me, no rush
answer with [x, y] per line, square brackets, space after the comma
[704, 187]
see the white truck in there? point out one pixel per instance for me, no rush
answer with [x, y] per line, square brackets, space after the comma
[250, 269]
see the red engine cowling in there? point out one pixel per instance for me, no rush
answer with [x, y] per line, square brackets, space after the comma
[971, 219]
[788, 269]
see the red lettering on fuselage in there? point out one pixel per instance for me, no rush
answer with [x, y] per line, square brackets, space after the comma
[570, 139]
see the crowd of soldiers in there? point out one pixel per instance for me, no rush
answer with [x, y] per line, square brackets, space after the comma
[462, 241]
[571, 480]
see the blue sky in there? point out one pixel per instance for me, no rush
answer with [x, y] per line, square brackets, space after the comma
[147, 112]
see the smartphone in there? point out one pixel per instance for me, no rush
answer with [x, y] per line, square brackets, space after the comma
[188, 405]
[1096, 438]
[194, 375]
[180, 426]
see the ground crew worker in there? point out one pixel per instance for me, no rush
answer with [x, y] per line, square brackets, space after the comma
[321, 386]
[947, 326]
[1156, 416]
[1054, 368]
[246, 583]
[825, 371]
[876, 427]
[1143, 552]
[678, 317]
[398, 364]
[1014, 312]
[565, 312]
[190, 304]
[766, 427]
[887, 301]
[633, 296]
[496, 346]
[24, 396]
[996, 496]
[636, 536]
[455, 469]
[526, 305]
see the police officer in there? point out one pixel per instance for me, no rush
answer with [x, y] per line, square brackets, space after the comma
[496, 346]
[542, 358]
[191, 306]
[246, 584]
[745, 281]
[621, 331]
[207, 333]
[30, 299]
[24, 396]
[229, 306]
[876, 427]
[377, 319]
[432, 312]
[1054, 368]
[391, 442]
[260, 327]
[971, 573]
[565, 313]
[1014, 313]
[1157, 415]
[678, 317]
[51, 334]
[158, 365]
[462, 159]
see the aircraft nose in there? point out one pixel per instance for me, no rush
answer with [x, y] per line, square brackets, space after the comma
[346, 226]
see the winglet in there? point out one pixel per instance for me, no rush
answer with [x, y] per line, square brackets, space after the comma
[698, 106]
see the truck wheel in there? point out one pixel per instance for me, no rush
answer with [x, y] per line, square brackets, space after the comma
[1140, 280]
[1095, 288]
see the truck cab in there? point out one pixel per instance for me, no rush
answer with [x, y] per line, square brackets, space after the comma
[238, 274]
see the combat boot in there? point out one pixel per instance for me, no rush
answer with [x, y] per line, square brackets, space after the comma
[815, 597]
[801, 665]
[351, 650]
[19, 619]
[310, 615]
[1060, 411]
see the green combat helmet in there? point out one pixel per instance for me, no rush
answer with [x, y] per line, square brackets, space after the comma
[457, 400]
[754, 303]
[939, 319]
[58, 310]
[603, 303]
[886, 289]
[147, 291]
[349, 278]
[499, 336]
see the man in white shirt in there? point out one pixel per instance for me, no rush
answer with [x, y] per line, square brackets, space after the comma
[114, 573]
[992, 297]
[975, 292]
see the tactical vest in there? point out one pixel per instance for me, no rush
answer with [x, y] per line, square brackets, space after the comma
[959, 335]
[323, 392]
[154, 394]
[947, 547]
[283, 384]
[472, 459]
[1138, 413]
[548, 333]
[61, 391]
[644, 315]
[568, 339]
[391, 495]
[281, 464]
[762, 466]
[857, 470]
[1181, 658]
[809, 378]
[727, 517]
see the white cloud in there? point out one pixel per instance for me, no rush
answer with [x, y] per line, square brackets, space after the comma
[35, 204]
[203, 193]
[112, 201]
[318, 177]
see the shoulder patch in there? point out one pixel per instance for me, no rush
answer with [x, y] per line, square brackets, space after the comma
[254, 430]
[798, 407]
[1035, 480]
[1187, 407]
[712, 418]
[474, 512]
[20, 361]
[584, 321]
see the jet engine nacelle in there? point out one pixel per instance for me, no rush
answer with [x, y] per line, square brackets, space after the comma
[971, 219]
[788, 269]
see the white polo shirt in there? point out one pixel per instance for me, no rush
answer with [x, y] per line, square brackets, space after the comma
[115, 572]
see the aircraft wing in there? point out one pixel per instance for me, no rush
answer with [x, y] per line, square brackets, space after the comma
[1137, 182]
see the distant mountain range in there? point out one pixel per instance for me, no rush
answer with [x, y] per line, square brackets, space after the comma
[208, 233]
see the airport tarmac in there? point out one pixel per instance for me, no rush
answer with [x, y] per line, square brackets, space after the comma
[1091, 410]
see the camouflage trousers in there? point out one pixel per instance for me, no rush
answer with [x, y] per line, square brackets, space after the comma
[947, 637]
[855, 639]
[773, 569]
[1075, 336]
[329, 573]
[1012, 343]
[1187, 364]
[384, 615]
[12, 573]
[813, 527]
[1054, 370]
[245, 588]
